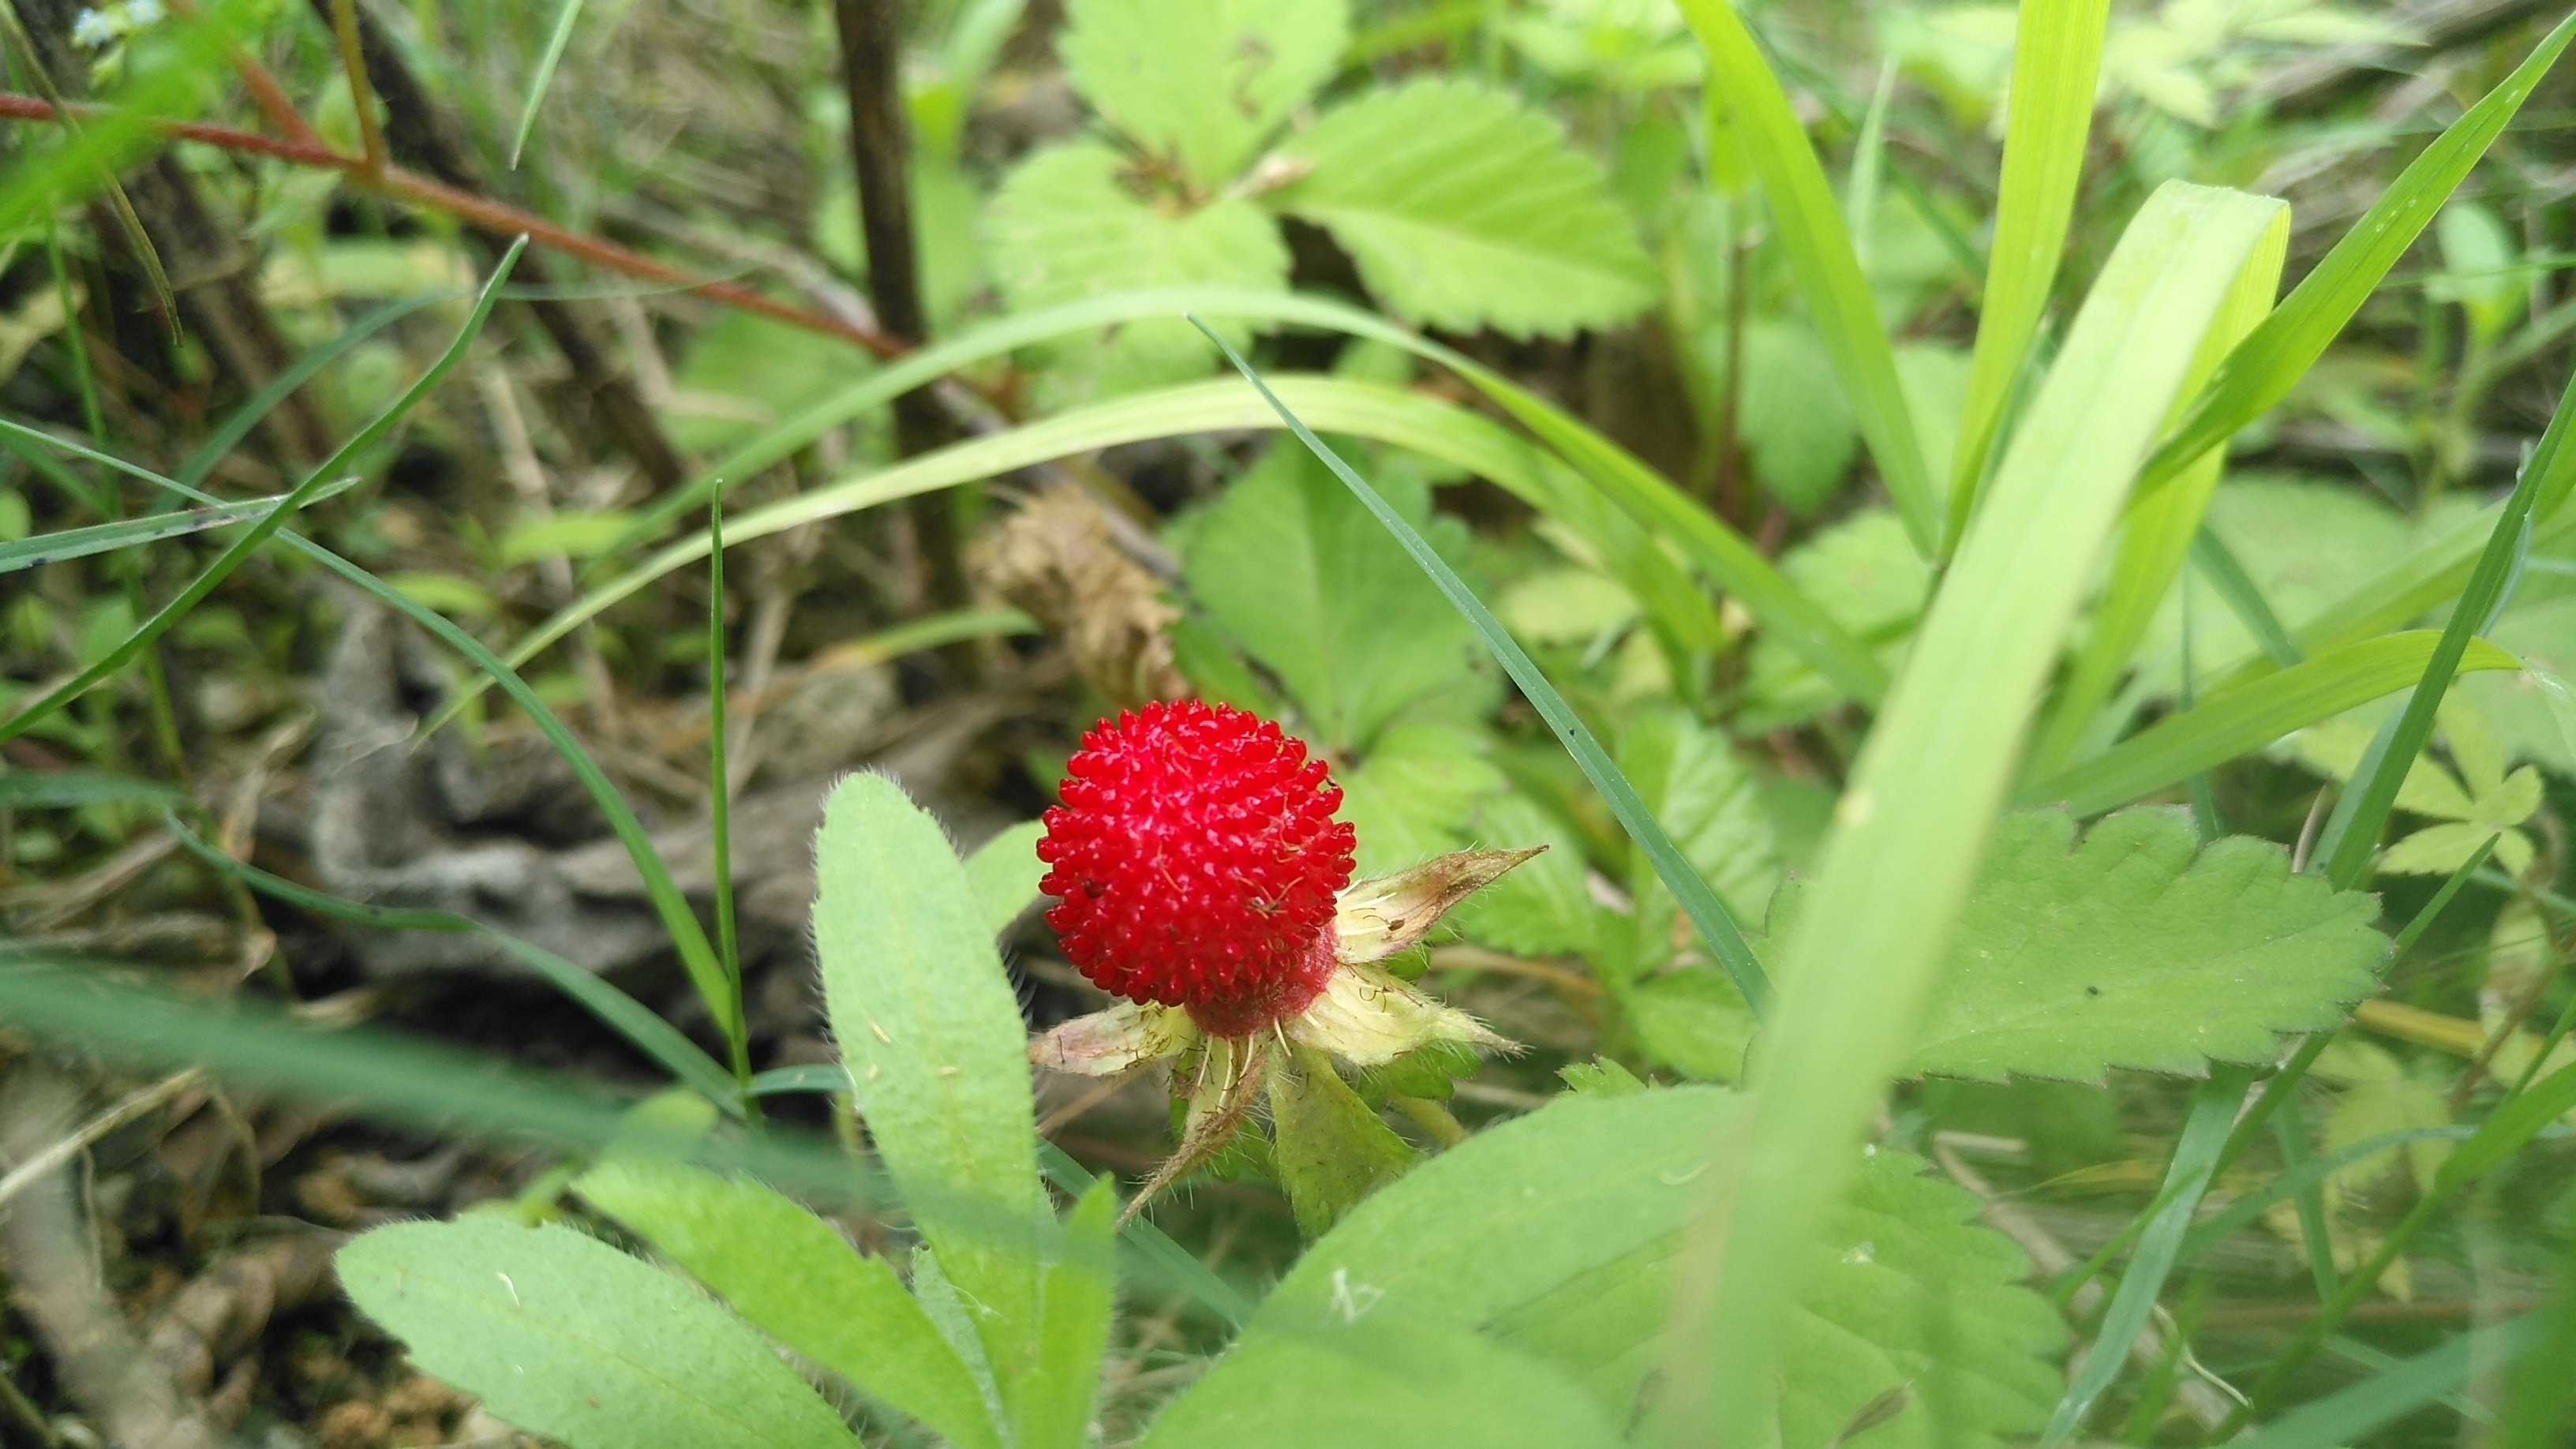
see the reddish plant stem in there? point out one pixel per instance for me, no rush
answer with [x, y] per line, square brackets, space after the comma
[410, 186]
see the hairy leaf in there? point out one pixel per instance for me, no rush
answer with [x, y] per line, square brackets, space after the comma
[565, 1336]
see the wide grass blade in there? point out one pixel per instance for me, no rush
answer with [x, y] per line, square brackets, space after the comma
[622, 1013]
[1706, 911]
[2248, 717]
[275, 518]
[1912, 824]
[2048, 119]
[2263, 368]
[566, 17]
[1745, 99]
[2156, 537]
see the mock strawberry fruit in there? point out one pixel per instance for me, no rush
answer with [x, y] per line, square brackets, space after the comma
[1197, 864]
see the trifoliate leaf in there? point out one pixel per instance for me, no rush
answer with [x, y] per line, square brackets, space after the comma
[2301, 540]
[1204, 83]
[1466, 211]
[2380, 1097]
[2137, 948]
[1066, 225]
[1292, 566]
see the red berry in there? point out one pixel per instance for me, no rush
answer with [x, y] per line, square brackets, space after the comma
[1197, 860]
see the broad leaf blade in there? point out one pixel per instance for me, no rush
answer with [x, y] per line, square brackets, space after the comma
[2137, 948]
[1005, 872]
[563, 1335]
[794, 1277]
[1465, 210]
[931, 1033]
[1052, 1407]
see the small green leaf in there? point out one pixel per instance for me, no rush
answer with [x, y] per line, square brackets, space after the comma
[565, 1336]
[1466, 211]
[2136, 948]
[1065, 226]
[931, 1031]
[574, 533]
[1693, 1020]
[1871, 583]
[795, 1277]
[1205, 83]
[1544, 907]
[1005, 872]
[1329, 1148]
[1689, 775]
[1794, 421]
[1298, 572]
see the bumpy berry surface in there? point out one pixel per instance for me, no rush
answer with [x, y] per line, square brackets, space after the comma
[1196, 859]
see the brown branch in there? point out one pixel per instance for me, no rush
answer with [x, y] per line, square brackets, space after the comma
[404, 185]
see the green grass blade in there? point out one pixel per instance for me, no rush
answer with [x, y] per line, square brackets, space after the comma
[1413, 420]
[1912, 823]
[2542, 1391]
[2048, 119]
[65, 789]
[69, 543]
[269, 523]
[1660, 508]
[2375, 792]
[566, 17]
[1750, 102]
[2248, 717]
[720, 795]
[1706, 912]
[2155, 537]
[2218, 564]
[2195, 1158]
[2348, 1415]
[238, 423]
[2263, 368]
[629, 1018]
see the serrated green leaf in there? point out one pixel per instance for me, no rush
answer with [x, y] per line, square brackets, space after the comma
[1299, 573]
[1690, 776]
[1466, 211]
[567, 1337]
[1544, 906]
[1413, 795]
[2138, 949]
[1204, 83]
[1693, 1020]
[1871, 583]
[795, 1277]
[930, 1030]
[1330, 1150]
[1065, 226]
